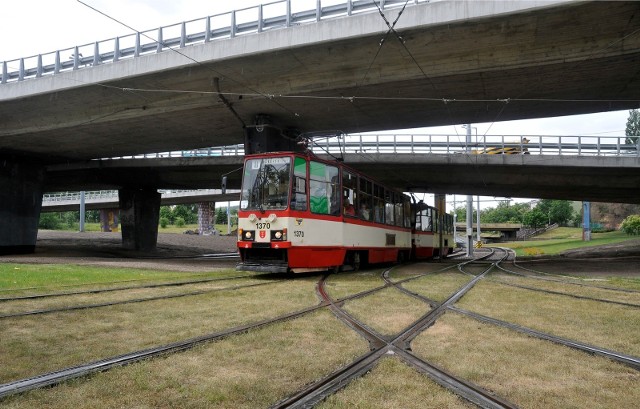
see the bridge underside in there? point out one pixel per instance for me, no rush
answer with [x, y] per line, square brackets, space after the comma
[574, 58]
[597, 179]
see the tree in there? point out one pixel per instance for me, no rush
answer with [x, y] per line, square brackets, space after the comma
[560, 212]
[631, 225]
[535, 218]
[221, 216]
[633, 127]
[167, 213]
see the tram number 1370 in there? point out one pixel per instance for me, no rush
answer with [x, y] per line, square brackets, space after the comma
[298, 233]
[261, 226]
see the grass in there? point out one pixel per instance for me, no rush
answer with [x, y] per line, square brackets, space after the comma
[387, 311]
[393, 384]
[14, 277]
[606, 325]
[584, 291]
[526, 371]
[558, 245]
[439, 286]
[253, 370]
[35, 344]
[344, 284]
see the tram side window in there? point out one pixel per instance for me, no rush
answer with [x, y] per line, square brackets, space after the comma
[349, 195]
[323, 188]
[407, 212]
[378, 204]
[299, 197]
[427, 224]
[389, 207]
[365, 203]
[398, 209]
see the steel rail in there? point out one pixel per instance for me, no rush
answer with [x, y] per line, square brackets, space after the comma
[130, 301]
[318, 391]
[580, 297]
[56, 377]
[629, 360]
[107, 290]
[559, 280]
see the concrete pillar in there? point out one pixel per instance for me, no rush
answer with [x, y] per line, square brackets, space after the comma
[139, 216]
[20, 204]
[206, 216]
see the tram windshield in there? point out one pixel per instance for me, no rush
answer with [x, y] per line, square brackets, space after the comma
[265, 185]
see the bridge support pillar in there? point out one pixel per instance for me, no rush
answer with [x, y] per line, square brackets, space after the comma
[206, 217]
[20, 204]
[139, 216]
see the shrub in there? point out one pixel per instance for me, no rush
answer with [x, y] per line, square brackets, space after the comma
[49, 221]
[180, 222]
[164, 222]
[631, 225]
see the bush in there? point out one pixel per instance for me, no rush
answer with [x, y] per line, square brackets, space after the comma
[631, 225]
[180, 222]
[49, 221]
[164, 222]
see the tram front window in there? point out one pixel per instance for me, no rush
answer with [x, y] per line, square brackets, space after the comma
[265, 185]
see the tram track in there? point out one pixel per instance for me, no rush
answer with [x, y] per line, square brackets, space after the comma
[380, 346]
[398, 345]
[129, 301]
[126, 288]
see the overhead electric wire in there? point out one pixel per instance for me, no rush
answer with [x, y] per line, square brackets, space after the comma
[189, 58]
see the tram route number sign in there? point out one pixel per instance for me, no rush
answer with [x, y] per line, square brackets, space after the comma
[298, 233]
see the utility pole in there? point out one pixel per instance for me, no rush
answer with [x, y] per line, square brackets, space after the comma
[82, 211]
[586, 221]
[454, 221]
[478, 217]
[469, 205]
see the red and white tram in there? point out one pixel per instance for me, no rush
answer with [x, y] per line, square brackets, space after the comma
[301, 213]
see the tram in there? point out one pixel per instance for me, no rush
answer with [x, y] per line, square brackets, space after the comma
[299, 213]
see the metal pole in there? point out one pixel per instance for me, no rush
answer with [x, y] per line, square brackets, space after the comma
[454, 221]
[82, 211]
[478, 217]
[228, 217]
[469, 205]
[586, 221]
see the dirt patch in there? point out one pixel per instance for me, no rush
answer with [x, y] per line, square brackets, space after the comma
[176, 252]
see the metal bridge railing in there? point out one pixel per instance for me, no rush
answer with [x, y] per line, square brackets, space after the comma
[442, 144]
[61, 198]
[274, 15]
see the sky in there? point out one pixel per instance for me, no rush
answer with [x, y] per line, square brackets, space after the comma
[28, 28]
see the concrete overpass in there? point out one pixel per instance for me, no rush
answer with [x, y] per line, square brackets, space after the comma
[459, 62]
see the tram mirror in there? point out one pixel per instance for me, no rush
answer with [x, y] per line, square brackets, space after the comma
[224, 185]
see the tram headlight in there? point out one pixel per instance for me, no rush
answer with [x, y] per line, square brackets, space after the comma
[248, 235]
[279, 235]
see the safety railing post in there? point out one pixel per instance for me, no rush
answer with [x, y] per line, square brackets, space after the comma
[39, 69]
[116, 49]
[96, 53]
[288, 4]
[160, 40]
[232, 30]
[21, 70]
[183, 34]
[260, 18]
[207, 28]
[136, 53]
[318, 10]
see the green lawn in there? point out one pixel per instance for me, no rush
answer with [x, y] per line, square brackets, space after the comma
[564, 238]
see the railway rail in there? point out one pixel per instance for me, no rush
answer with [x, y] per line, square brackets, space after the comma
[398, 345]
